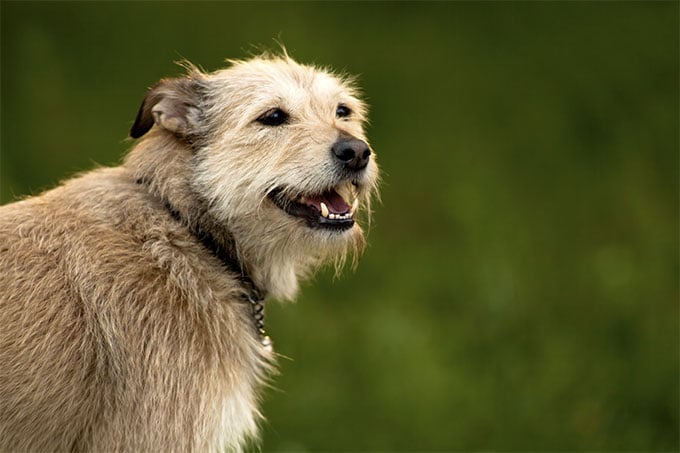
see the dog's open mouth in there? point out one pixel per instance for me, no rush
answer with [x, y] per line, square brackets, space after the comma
[328, 210]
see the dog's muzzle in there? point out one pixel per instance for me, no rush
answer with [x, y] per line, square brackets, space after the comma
[334, 208]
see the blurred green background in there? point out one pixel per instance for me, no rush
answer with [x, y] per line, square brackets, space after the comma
[520, 290]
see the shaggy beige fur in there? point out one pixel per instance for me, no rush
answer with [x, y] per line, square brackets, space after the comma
[120, 329]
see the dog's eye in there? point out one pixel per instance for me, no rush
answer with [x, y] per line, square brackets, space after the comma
[343, 111]
[273, 117]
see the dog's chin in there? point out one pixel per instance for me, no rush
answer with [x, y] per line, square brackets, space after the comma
[330, 211]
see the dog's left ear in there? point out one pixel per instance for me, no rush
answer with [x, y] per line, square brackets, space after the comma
[173, 105]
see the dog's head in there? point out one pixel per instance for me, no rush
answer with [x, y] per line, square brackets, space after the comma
[280, 157]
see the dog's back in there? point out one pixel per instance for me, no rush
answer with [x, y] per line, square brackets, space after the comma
[48, 347]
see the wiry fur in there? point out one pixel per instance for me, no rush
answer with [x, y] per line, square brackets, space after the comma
[119, 329]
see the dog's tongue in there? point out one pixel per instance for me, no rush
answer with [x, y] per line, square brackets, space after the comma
[333, 201]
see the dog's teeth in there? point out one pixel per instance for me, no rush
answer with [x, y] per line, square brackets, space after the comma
[303, 200]
[355, 205]
[324, 210]
[332, 216]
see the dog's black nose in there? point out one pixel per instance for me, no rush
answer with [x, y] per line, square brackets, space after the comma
[352, 152]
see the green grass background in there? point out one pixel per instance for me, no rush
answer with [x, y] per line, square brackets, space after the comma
[520, 289]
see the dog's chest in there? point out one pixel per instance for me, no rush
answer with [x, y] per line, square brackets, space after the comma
[234, 399]
[237, 417]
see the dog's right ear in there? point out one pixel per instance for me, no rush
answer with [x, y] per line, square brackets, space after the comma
[173, 105]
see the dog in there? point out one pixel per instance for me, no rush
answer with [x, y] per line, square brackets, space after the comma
[131, 297]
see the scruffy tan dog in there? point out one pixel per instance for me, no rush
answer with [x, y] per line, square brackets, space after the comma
[131, 297]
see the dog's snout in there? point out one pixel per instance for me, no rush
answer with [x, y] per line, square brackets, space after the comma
[352, 153]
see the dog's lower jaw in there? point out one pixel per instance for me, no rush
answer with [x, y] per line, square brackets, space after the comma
[277, 263]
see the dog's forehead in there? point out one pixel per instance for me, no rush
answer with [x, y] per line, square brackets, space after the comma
[267, 81]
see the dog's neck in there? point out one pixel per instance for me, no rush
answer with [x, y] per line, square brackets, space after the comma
[227, 255]
[223, 250]
[170, 185]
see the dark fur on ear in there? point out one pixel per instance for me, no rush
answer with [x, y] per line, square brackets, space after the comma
[174, 105]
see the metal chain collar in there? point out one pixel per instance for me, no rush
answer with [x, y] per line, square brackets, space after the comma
[257, 304]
